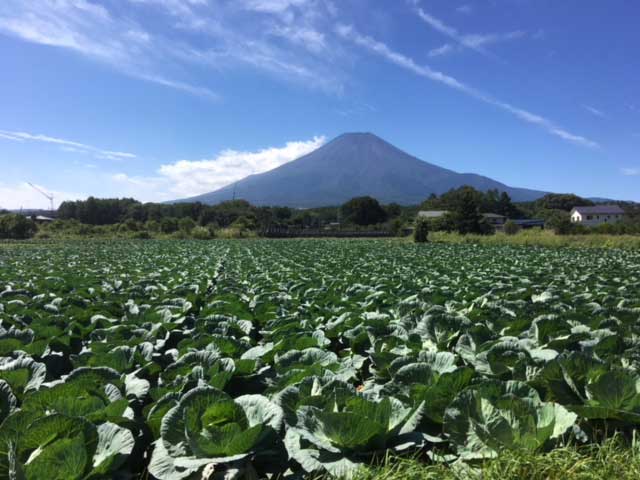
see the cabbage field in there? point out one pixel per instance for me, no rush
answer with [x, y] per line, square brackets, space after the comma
[253, 359]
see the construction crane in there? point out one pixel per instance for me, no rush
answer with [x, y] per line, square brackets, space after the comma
[49, 196]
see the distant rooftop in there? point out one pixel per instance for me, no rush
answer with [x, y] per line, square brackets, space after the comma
[432, 213]
[599, 210]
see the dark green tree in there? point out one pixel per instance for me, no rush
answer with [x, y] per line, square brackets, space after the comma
[561, 201]
[421, 231]
[186, 224]
[363, 211]
[393, 210]
[465, 213]
[17, 227]
[560, 223]
[169, 225]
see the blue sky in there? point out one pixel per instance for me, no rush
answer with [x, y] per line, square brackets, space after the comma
[161, 99]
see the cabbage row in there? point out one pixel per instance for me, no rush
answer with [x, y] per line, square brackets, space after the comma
[187, 360]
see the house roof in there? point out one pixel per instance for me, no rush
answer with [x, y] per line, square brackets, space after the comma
[599, 210]
[529, 222]
[492, 215]
[432, 213]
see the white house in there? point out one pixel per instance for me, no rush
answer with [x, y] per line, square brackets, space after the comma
[592, 216]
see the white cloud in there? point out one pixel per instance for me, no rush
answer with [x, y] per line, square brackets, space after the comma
[407, 63]
[311, 39]
[91, 30]
[179, 8]
[67, 145]
[272, 6]
[443, 50]
[157, 39]
[594, 111]
[22, 195]
[465, 9]
[472, 41]
[187, 178]
[630, 172]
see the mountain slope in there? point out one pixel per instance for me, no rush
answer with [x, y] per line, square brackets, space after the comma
[354, 164]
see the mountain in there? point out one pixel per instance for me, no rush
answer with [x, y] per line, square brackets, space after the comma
[352, 165]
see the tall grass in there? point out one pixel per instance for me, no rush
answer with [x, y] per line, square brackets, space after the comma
[543, 238]
[613, 460]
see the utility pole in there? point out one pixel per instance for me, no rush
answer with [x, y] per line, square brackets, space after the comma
[49, 196]
[234, 191]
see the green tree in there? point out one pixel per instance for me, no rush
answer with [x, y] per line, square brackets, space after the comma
[465, 213]
[560, 223]
[506, 207]
[363, 211]
[17, 227]
[186, 224]
[421, 231]
[561, 201]
[393, 210]
[169, 225]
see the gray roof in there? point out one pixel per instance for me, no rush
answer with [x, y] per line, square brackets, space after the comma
[599, 210]
[493, 215]
[432, 213]
[527, 222]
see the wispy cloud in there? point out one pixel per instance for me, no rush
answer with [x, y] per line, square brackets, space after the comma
[272, 36]
[443, 50]
[630, 172]
[594, 111]
[465, 9]
[381, 49]
[474, 42]
[67, 145]
[91, 30]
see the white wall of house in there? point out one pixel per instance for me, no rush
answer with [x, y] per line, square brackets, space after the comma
[591, 220]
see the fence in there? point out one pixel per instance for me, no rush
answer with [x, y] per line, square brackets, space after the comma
[276, 232]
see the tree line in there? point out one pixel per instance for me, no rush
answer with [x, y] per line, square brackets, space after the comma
[465, 207]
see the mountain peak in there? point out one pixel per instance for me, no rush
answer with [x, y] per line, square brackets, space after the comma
[352, 165]
[357, 137]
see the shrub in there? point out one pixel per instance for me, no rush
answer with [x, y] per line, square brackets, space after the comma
[152, 226]
[421, 232]
[169, 225]
[201, 233]
[17, 227]
[186, 224]
[395, 227]
[131, 225]
[511, 228]
[212, 227]
[560, 224]
[142, 235]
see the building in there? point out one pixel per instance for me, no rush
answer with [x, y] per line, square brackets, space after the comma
[592, 216]
[431, 214]
[494, 219]
[528, 223]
